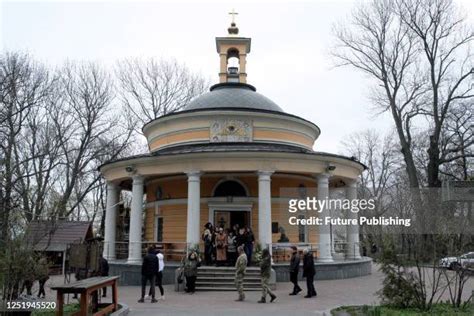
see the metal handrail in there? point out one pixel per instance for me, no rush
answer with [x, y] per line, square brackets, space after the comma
[172, 250]
[281, 252]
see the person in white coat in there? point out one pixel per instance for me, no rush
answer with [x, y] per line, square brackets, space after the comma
[159, 279]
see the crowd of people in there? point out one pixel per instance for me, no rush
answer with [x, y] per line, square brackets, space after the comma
[153, 265]
[220, 245]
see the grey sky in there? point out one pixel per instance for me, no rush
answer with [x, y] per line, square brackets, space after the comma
[289, 61]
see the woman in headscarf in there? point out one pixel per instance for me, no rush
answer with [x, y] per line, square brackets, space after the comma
[221, 245]
[191, 264]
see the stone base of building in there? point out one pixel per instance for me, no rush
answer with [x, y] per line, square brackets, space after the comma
[330, 271]
[130, 274]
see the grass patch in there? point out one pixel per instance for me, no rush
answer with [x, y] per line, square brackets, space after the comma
[438, 309]
[69, 309]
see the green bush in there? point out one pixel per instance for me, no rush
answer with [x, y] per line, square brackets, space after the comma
[437, 309]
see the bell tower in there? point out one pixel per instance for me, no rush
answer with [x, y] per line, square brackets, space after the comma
[233, 51]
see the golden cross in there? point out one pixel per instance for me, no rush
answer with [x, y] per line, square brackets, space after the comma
[233, 13]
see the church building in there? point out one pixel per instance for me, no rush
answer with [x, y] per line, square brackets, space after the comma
[230, 156]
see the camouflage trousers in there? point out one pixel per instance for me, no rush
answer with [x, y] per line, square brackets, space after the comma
[266, 287]
[239, 284]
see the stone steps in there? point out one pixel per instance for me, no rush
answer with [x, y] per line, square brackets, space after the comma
[225, 285]
[219, 289]
[223, 279]
[226, 274]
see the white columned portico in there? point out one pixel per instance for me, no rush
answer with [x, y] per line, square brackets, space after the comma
[353, 251]
[110, 221]
[264, 208]
[194, 208]
[324, 230]
[136, 221]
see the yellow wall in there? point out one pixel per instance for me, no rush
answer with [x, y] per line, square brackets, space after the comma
[179, 138]
[174, 216]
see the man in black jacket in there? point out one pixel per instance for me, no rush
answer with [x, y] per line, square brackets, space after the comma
[294, 269]
[309, 272]
[149, 269]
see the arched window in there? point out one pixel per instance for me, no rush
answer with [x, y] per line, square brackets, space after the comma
[233, 61]
[230, 188]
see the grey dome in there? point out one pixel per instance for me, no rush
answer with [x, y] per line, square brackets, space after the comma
[233, 95]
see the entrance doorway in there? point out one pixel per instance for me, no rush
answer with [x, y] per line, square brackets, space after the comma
[227, 219]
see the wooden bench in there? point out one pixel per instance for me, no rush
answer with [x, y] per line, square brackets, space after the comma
[86, 288]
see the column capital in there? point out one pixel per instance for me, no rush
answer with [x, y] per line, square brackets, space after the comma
[323, 177]
[352, 183]
[265, 173]
[194, 175]
[112, 186]
[138, 179]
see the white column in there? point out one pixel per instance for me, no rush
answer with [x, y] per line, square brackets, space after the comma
[332, 195]
[324, 230]
[353, 251]
[264, 208]
[194, 208]
[136, 221]
[110, 221]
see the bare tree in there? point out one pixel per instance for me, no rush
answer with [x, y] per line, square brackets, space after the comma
[419, 52]
[38, 155]
[151, 88]
[89, 127]
[456, 143]
[23, 87]
[378, 43]
[445, 39]
[377, 182]
[379, 155]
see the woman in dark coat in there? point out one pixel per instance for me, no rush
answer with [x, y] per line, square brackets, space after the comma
[191, 264]
[250, 240]
[42, 276]
[294, 270]
[241, 238]
[309, 272]
[207, 238]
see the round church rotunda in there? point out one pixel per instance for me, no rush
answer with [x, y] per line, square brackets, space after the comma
[232, 158]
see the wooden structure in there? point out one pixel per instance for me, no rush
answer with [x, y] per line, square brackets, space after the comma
[89, 288]
[52, 238]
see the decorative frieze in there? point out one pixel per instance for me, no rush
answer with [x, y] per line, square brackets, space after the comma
[231, 130]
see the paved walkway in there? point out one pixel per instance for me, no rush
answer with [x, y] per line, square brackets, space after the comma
[331, 294]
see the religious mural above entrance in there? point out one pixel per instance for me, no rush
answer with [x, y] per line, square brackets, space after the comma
[231, 130]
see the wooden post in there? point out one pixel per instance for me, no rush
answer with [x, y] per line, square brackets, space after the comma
[115, 295]
[95, 301]
[64, 263]
[83, 303]
[60, 300]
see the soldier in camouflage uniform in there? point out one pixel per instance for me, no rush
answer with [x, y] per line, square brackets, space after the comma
[265, 272]
[240, 267]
